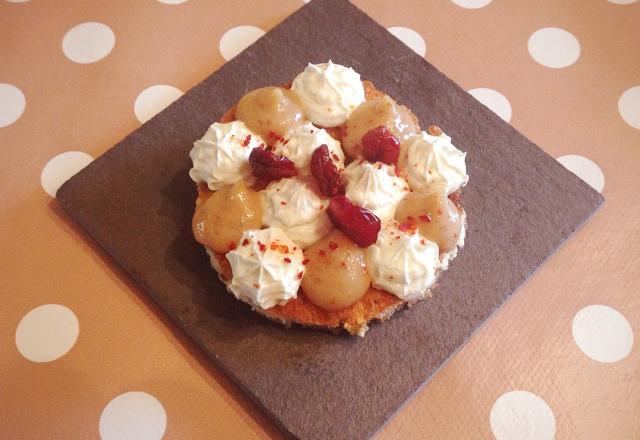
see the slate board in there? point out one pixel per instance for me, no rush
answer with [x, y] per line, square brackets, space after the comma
[136, 201]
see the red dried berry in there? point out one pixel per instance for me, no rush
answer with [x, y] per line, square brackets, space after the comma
[267, 166]
[360, 224]
[326, 172]
[380, 145]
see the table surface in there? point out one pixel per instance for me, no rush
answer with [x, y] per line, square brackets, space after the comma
[87, 354]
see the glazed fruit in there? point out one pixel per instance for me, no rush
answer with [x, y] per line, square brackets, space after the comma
[267, 166]
[270, 112]
[380, 145]
[335, 274]
[433, 215]
[326, 172]
[219, 222]
[360, 224]
[377, 112]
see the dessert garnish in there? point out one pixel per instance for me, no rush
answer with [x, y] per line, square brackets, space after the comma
[324, 204]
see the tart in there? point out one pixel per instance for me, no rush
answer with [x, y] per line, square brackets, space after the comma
[322, 202]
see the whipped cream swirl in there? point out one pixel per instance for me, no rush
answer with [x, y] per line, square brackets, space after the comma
[376, 187]
[300, 142]
[428, 159]
[404, 265]
[294, 206]
[221, 157]
[267, 268]
[446, 257]
[328, 92]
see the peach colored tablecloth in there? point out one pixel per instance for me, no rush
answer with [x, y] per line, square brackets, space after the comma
[85, 353]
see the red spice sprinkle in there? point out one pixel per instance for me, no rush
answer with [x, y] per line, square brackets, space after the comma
[282, 248]
[276, 137]
[410, 219]
[422, 242]
[295, 248]
[322, 252]
[335, 156]
[285, 142]
[245, 242]
[257, 286]
[439, 211]
[283, 203]
[425, 218]
[333, 245]
[343, 264]
[305, 261]
[287, 260]
[429, 171]
[246, 140]
[398, 237]
[232, 245]
[408, 227]
[299, 275]
[262, 246]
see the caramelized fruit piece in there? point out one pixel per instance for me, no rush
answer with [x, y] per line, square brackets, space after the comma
[371, 114]
[335, 276]
[435, 216]
[326, 172]
[267, 166]
[270, 112]
[380, 145]
[219, 222]
[360, 224]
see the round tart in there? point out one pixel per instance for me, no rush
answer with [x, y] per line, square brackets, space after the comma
[322, 203]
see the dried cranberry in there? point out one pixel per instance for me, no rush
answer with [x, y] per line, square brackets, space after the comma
[379, 144]
[360, 224]
[267, 166]
[326, 172]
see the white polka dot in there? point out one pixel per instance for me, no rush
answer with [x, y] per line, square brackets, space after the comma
[88, 42]
[47, 333]
[602, 333]
[153, 100]
[584, 169]
[629, 106]
[61, 168]
[554, 47]
[495, 100]
[472, 4]
[411, 38]
[237, 39]
[172, 2]
[133, 415]
[521, 415]
[622, 2]
[12, 104]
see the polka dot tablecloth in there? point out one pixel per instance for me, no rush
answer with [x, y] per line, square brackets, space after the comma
[86, 355]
